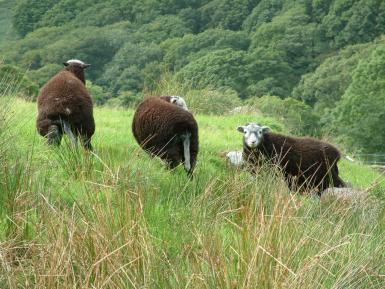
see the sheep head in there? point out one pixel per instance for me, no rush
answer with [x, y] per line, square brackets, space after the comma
[76, 67]
[253, 134]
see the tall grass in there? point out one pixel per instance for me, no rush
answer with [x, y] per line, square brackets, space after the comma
[208, 101]
[116, 218]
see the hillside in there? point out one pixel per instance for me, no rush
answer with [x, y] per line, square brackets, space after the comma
[6, 32]
[118, 219]
[316, 52]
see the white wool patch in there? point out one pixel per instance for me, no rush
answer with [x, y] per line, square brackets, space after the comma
[75, 61]
[179, 101]
[68, 111]
[235, 158]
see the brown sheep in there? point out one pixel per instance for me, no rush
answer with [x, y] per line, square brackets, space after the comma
[166, 130]
[307, 163]
[65, 106]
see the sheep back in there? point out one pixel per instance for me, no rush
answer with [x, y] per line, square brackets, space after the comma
[65, 97]
[157, 127]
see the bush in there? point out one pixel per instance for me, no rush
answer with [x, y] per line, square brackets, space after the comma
[98, 95]
[209, 101]
[295, 115]
[203, 101]
[16, 82]
[125, 99]
[42, 75]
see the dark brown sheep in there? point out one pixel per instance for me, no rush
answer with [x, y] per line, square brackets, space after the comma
[65, 106]
[168, 131]
[307, 163]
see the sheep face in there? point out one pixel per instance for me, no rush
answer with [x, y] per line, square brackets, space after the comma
[253, 134]
[178, 101]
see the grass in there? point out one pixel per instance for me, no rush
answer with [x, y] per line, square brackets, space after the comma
[118, 219]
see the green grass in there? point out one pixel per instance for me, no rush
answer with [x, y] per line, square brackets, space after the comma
[118, 219]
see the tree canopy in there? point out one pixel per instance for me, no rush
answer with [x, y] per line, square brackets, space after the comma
[309, 51]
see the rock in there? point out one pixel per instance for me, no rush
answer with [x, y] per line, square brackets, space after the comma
[343, 194]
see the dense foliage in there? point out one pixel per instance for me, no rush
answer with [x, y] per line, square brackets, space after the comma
[305, 49]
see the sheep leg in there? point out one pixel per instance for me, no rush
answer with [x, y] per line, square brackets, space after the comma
[54, 135]
[67, 129]
[337, 181]
[86, 142]
[186, 150]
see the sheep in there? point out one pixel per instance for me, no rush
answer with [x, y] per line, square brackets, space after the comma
[166, 130]
[65, 106]
[307, 163]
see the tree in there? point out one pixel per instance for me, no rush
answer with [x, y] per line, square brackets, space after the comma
[296, 115]
[359, 116]
[324, 87]
[181, 51]
[354, 21]
[27, 13]
[269, 73]
[126, 71]
[220, 68]
[262, 13]
[227, 14]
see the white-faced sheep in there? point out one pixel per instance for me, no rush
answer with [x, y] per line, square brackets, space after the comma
[177, 100]
[65, 106]
[307, 163]
[167, 130]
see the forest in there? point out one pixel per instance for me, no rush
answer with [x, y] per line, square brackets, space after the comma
[318, 64]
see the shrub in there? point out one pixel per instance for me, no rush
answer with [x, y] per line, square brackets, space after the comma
[210, 101]
[98, 95]
[16, 82]
[296, 115]
[125, 99]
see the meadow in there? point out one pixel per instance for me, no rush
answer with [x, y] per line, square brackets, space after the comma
[116, 218]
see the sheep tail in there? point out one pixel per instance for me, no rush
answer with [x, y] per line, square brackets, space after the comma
[67, 129]
[186, 150]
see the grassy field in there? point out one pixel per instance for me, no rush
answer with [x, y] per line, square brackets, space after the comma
[118, 219]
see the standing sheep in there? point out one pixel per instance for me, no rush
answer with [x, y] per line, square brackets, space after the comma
[65, 106]
[167, 130]
[307, 163]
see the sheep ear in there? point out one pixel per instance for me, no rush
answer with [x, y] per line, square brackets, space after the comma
[265, 129]
[85, 65]
[65, 63]
[241, 129]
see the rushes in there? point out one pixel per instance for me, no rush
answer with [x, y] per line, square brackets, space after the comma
[118, 219]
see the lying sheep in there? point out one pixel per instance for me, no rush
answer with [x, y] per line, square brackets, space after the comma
[167, 130]
[234, 159]
[307, 163]
[65, 106]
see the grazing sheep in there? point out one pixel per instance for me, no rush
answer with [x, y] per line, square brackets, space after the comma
[307, 163]
[166, 130]
[65, 106]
